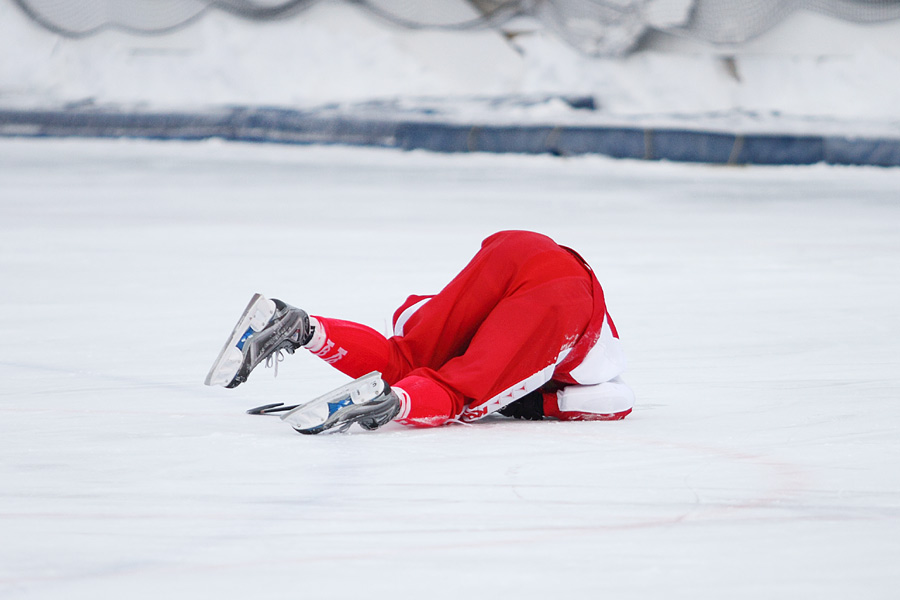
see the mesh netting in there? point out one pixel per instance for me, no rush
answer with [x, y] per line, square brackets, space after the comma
[419, 14]
[610, 27]
[86, 17]
[739, 21]
[595, 27]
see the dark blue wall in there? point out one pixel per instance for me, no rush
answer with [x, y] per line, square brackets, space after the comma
[308, 127]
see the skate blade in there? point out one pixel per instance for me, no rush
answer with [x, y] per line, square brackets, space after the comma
[313, 416]
[258, 313]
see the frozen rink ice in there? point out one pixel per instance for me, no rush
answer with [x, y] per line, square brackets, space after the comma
[758, 307]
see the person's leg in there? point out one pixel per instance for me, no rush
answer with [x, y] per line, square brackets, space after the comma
[356, 350]
[517, 347]
[443, 327]
[513, 352]
[496, 331]
[352, 348]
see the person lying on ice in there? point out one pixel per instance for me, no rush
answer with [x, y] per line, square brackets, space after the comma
[522, 330]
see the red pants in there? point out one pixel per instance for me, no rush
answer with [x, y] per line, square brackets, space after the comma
[498, 328]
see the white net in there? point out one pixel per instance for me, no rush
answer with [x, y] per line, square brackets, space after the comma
[85, 17]
[613, 27]
[734, 22]
[595, 27]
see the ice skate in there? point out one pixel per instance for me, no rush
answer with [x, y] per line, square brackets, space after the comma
[368, 401]
[266, 328]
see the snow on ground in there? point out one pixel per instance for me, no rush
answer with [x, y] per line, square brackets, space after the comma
[810, 74]
[757, 305]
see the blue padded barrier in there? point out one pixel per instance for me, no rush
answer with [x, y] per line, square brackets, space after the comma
[279, 125]
[692, 146]
[782, 150]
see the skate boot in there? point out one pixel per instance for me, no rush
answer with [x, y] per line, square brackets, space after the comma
[265, 329]
[368, 401]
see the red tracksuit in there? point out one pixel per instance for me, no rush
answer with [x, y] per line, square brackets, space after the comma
[524, 314]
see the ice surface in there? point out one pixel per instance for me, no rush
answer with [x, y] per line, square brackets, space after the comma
[758, 307]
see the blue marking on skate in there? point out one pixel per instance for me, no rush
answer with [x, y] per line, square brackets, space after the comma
[333, 407]
[247, 335]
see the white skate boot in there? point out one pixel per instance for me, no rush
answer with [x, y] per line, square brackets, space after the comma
[266, 328]
[368, 401]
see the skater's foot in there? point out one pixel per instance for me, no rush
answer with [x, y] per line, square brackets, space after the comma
[368, 401]
[265, 329]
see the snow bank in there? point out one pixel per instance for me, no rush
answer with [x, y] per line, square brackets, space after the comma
[335, 53]
[330, 52]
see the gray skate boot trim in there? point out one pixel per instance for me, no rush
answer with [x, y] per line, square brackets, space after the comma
[368, 401]
[258, 336]
[288, 330]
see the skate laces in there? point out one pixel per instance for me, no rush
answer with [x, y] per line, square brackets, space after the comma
[277, 355]
[273, 359]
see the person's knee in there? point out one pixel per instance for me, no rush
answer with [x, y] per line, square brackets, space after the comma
[424, 402]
